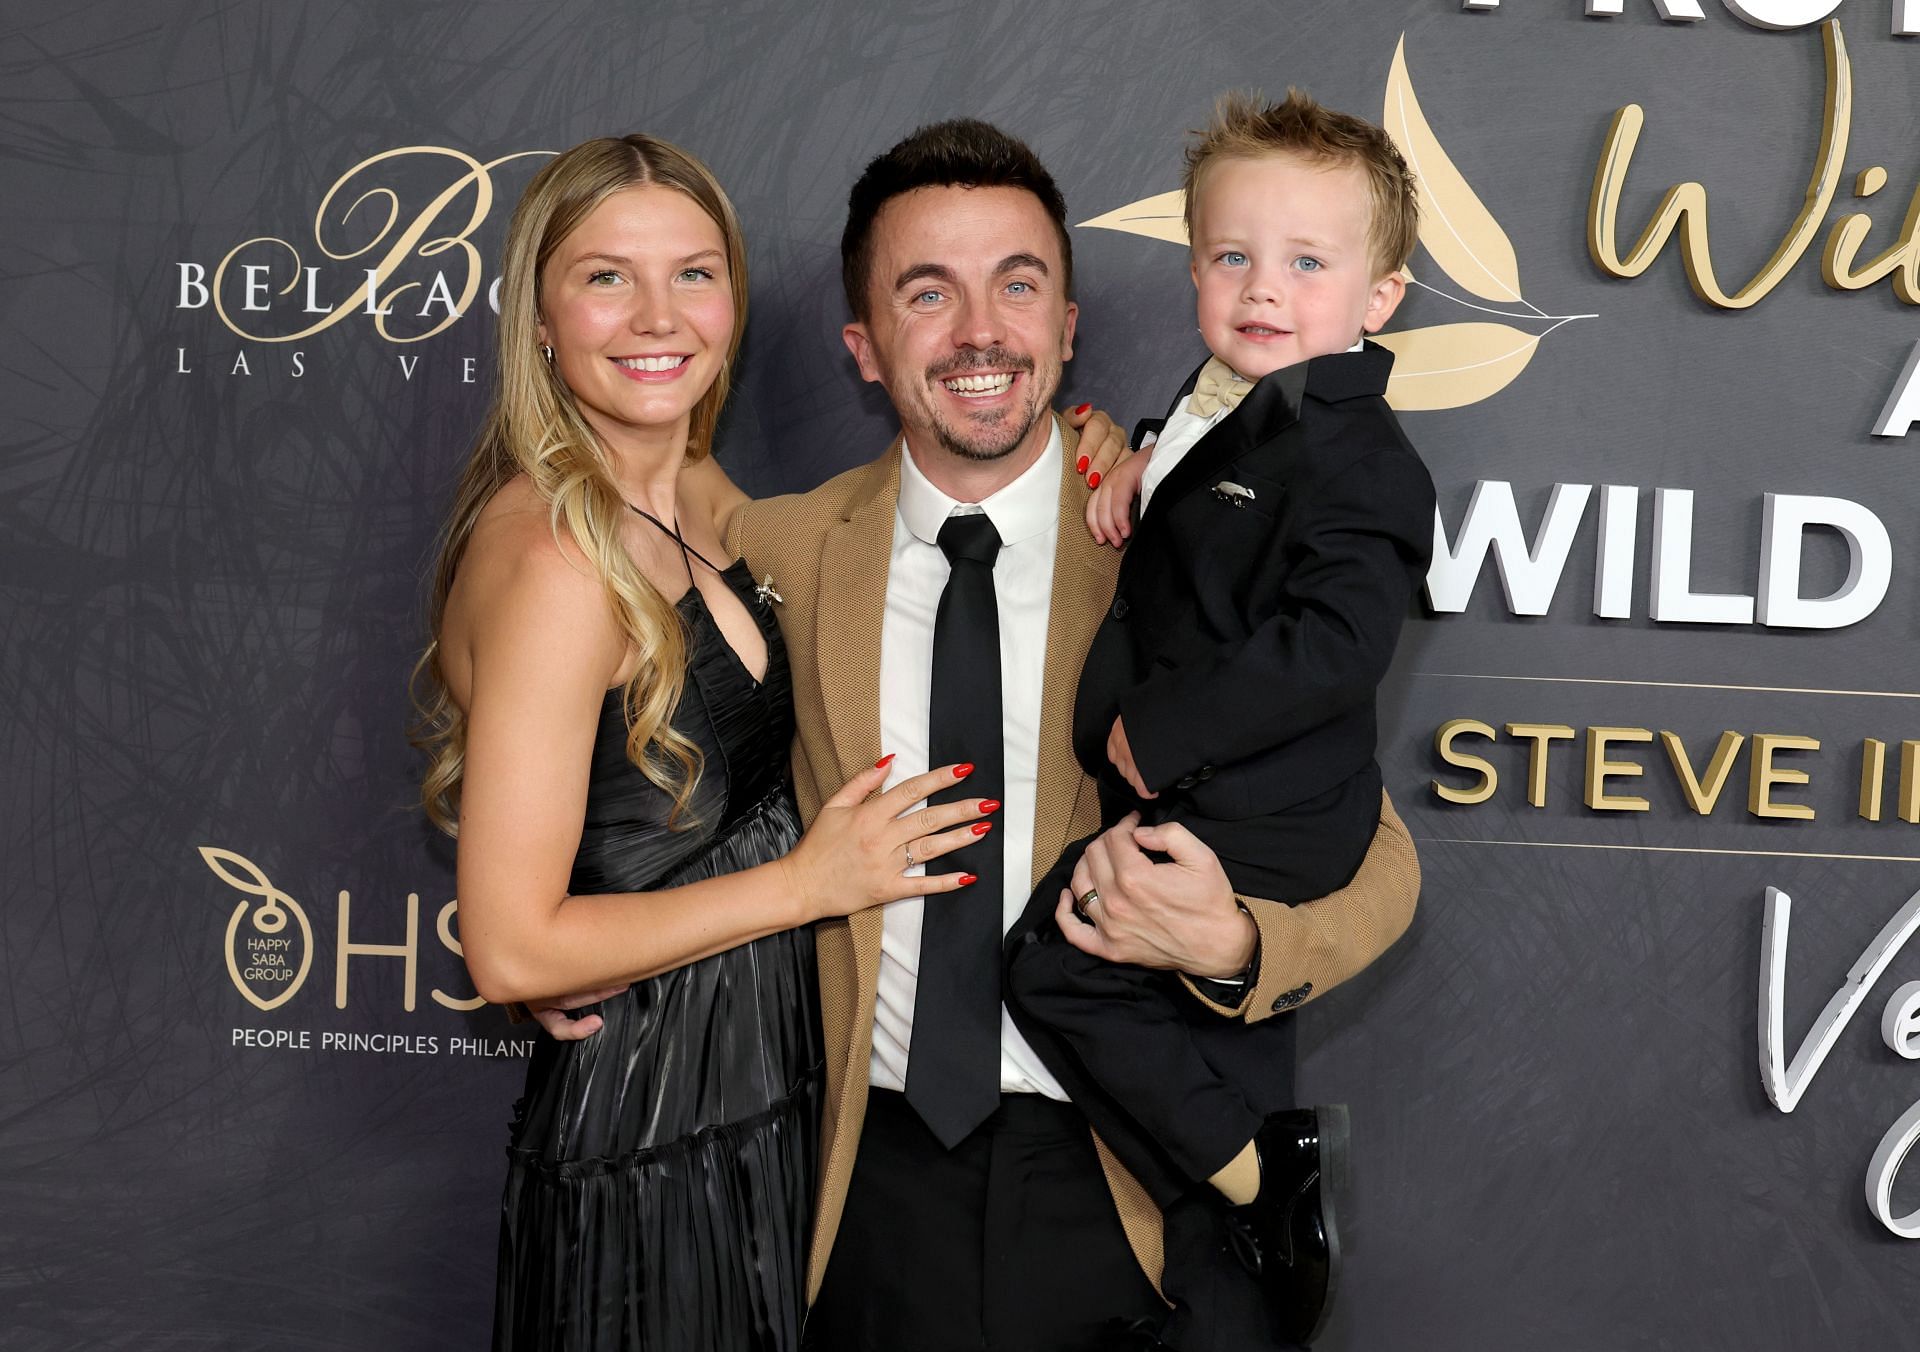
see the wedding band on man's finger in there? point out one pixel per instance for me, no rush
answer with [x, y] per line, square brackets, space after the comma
[1085, 899]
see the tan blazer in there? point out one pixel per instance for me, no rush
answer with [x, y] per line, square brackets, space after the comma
[828, 552]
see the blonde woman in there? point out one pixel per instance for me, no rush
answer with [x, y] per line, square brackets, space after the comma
[607, 715]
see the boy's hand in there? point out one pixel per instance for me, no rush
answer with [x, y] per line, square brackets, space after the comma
[1110, 508]
[1102, 444]
[1122, 757]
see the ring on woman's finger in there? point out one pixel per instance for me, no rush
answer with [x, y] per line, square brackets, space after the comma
[908, 847]
[1080, 903]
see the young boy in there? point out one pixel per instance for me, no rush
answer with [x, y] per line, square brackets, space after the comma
[1284, 523]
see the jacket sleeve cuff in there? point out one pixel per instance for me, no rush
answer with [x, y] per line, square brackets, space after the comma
[1228, 995]
[1307, 950]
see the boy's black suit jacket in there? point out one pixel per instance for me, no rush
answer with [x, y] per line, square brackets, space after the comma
[1249, 629]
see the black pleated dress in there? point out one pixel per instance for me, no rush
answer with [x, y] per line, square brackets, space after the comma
[660, 1177]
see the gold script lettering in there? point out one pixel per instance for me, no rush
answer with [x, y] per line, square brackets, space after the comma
[1684, 207]
[400, 242]
[1901, 260]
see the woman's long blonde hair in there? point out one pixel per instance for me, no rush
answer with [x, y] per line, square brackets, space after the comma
[535, 428]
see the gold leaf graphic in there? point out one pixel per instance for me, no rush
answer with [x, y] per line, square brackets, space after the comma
[1456, 228]
[1161, 217]
[1442, 365]
[1451, 365]
[238, 871]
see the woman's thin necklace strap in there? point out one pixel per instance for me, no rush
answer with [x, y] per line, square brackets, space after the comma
[679, 539]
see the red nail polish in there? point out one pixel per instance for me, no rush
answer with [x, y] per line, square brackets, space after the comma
[1093, 479]
[962, 770]
[1081, 466]
[1083, 408]
[981, 828]
[966, 878]
[885, 760]
[989, 804]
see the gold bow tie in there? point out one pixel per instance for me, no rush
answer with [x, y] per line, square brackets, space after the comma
[1218, 389]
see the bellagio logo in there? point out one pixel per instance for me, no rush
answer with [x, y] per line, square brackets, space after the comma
[392, 247]
[269, 942]
[1442, 365]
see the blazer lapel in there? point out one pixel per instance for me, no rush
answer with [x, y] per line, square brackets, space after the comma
[854, 561]
[1083, 574]
[1270, 407]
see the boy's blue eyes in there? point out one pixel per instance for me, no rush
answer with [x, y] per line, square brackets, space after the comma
[1233, 258]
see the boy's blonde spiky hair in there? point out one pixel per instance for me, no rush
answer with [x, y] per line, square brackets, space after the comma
[1245, 126]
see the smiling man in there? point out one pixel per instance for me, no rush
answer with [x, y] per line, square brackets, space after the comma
[937, 606]
[975, 402]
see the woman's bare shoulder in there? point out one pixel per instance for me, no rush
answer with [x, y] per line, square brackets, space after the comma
[521, 582]
[514, 543]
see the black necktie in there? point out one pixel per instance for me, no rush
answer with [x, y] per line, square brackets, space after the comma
[953, 1062]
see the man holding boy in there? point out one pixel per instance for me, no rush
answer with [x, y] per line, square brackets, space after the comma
[962, 1201]
[1285, 524]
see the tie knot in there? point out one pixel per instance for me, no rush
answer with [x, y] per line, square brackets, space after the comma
[970, 536]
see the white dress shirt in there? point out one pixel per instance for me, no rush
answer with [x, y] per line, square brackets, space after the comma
[1182, 432]
[1027, 514]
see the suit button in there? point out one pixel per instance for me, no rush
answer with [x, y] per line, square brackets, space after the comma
[1120, 608]
[1205, 772]
[1185, 782]
[1292, 999]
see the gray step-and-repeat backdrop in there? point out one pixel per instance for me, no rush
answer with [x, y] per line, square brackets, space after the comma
[1659, 698]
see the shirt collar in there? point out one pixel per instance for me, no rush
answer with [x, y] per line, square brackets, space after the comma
[1360, 346]
[1021, 510]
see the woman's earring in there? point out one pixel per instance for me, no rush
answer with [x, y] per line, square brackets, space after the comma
[547, 352]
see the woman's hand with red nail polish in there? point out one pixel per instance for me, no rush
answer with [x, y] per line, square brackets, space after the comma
[865, 842]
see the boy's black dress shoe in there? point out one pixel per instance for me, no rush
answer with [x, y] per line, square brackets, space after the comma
[1294, 1240]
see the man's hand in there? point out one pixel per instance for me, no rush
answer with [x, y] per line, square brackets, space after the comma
[1121, 755]
[552, 1014]
[1178, 916]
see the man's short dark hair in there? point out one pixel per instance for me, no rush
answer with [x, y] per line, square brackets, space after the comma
[963, 152]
